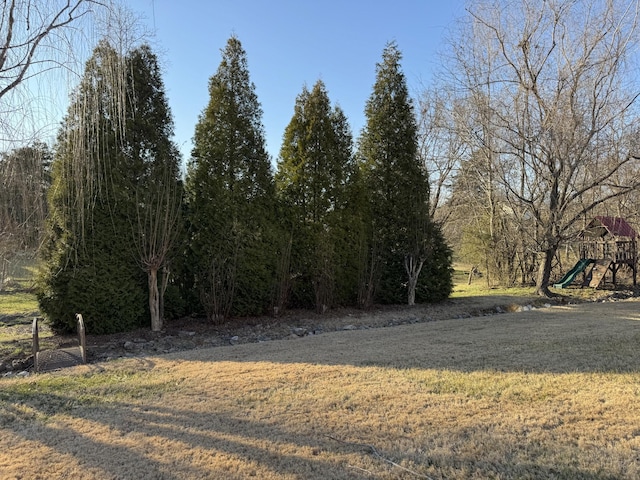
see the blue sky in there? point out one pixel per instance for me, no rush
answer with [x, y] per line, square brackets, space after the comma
[289, 44]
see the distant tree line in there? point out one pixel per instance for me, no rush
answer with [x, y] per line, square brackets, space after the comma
[531, 130]
[24, 181]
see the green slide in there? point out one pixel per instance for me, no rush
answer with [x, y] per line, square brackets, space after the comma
[570, 276]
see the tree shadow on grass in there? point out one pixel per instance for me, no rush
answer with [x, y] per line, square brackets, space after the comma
[164, 442]
[146, 438]
[170, 443]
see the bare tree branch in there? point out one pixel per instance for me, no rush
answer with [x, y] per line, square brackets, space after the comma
[547, 84]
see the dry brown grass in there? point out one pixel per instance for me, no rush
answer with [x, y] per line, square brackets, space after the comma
[551, 393]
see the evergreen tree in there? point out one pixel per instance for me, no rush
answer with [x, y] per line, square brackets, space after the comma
[114, 197]
[315, 166]
[231, 196]
[88, 266]
[403, 238]
[155, 174]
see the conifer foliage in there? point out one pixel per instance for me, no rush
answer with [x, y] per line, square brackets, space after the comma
[155, 168]
[407, 255]
[112, 159]
[315, 169]
[330, 228]
[230, 194]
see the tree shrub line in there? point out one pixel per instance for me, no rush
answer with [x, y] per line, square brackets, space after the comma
[335, 225]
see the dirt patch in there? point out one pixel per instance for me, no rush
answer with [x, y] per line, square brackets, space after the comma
[195, 333]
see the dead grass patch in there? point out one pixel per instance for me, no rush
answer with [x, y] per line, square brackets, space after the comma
[550, 393]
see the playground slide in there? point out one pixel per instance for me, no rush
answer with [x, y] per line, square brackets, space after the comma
[570, 276]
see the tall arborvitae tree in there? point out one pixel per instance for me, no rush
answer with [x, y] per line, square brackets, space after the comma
[155, 174]
[88, 264]
[404, 241]
[114, 197]
[316, 163]
[230, 195]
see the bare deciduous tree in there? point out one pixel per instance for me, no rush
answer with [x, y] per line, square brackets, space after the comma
[24, 180]
[550, 81]
[23, 185]
[26, 28]
[158, 216]
[441, 145]
[155, 161]
[36, 37]
[222, 277]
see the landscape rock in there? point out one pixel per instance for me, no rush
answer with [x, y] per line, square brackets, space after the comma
[189, 333]
[525, 308]
[22, 363]
[300, 331]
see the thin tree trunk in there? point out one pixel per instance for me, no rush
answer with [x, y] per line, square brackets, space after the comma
[283, 285]
[368, 280]
[154, 300]
[413, 269]
[411, 300]
[165, 282]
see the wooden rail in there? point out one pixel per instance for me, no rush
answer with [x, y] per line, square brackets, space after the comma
[618, 251]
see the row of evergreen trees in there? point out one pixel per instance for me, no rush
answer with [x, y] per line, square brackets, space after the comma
[335, 225]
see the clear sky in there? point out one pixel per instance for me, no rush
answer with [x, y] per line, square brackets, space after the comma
[289, 44]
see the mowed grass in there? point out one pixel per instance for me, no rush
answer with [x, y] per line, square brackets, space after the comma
[17, 299]
[549, 393]
[478, 287]
[18, 303]
[18, 306]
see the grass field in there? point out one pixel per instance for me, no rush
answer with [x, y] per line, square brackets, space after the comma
[18, 305]
[548, 393]
[16, 298]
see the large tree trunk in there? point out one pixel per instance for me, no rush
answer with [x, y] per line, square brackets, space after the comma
[544, 273]
[154, 300]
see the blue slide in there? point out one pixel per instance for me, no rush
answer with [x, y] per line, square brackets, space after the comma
[570, 276]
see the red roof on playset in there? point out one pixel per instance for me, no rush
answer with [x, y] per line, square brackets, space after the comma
[614, 226]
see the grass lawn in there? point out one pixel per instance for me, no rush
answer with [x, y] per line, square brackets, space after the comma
[548, 393]
[18, 306]
[14, 303]
[17, 299]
